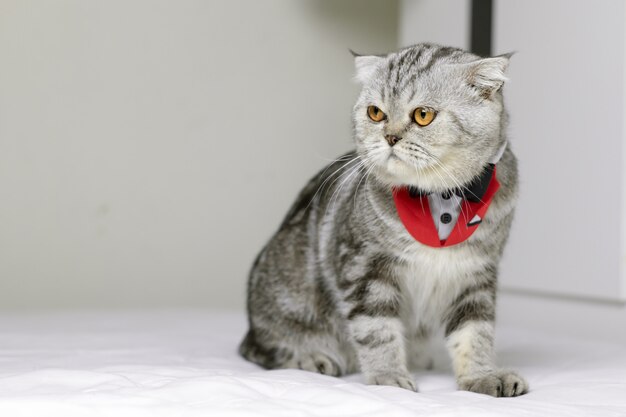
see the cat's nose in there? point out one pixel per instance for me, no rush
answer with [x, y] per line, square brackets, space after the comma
[392, 139]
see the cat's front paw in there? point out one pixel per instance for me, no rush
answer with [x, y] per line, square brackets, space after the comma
[393, 379]
[497, 384]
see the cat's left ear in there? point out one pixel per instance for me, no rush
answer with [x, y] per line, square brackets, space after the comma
[366, 66]
[488, 75]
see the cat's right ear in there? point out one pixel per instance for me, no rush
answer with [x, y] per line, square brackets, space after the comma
[487, 75]
[366, 66]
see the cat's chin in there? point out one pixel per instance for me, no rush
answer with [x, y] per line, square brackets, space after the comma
[397, 173]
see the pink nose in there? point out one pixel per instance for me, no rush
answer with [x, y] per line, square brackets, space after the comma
[392, 139]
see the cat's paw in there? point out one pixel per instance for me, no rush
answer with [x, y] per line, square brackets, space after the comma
[393, 379]
[497, 384]
[318, 362]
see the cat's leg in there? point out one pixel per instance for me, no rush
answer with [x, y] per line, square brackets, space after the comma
[469, 338]
[309, 351]
[372, 308]
[380, 349]
[292, 318]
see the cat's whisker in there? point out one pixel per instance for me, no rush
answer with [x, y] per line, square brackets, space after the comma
[347, 175]
[440, 165]
[452, 177]
[335, 196]
[369, 159]
[418, 176]
[413, 157]
[366, 175]
[432, 158]
[338, 159]
[454, 180]
[465, 216]
[443, 182]
[322, 185]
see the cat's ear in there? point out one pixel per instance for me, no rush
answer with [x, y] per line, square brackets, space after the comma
[366, 66]
[488, 75]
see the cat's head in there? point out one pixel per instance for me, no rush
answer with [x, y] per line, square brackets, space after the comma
[429, 116]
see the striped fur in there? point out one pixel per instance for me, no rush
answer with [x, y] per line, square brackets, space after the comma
[342, 286]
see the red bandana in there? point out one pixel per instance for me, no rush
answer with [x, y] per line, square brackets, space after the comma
[414, 212]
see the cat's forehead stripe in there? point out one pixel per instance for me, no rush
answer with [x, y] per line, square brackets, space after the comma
[405, 66]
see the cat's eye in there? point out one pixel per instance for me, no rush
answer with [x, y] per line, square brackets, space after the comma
[375, 114]
[423, 116]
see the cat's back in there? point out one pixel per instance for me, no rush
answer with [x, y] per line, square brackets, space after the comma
[288, 264]
[319, 190]
[286, 291]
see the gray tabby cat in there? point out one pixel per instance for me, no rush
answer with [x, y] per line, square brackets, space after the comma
[342, 286]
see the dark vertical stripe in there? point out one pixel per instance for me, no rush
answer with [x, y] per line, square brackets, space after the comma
[482, 23]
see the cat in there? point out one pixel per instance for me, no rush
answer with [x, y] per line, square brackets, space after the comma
[345, 285]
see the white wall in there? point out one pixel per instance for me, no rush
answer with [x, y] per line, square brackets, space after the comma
[149, 148]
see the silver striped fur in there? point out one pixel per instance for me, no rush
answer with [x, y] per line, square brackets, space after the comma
[342, 287]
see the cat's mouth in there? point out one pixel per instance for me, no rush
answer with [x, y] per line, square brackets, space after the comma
[411, 162]
[400, 169]
[393, 156]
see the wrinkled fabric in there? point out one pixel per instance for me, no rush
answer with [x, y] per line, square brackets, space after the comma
[185, 364]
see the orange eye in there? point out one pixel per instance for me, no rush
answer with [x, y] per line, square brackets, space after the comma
[375, 114]
[423, 116]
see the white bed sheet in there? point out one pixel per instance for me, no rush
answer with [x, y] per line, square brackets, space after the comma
[185, 364]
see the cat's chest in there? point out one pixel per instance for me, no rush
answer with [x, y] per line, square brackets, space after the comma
[432, 278]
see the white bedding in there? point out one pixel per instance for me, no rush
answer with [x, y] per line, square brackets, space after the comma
[185, 364]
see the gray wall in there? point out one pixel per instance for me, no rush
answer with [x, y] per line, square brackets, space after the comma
[440, 21]
[567, 126]
[149, 148]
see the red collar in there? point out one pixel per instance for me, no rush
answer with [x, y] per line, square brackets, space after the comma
[414, 212]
